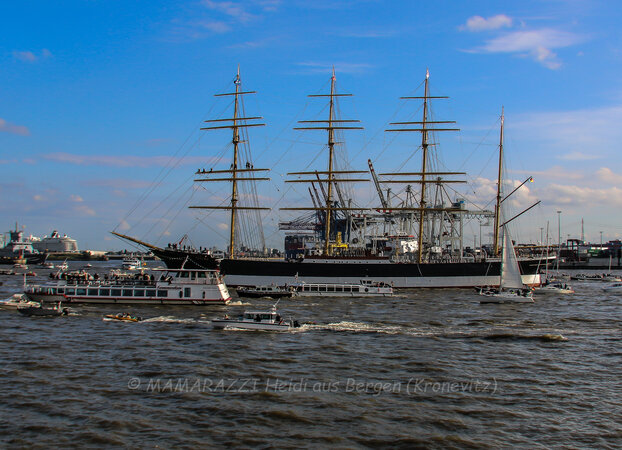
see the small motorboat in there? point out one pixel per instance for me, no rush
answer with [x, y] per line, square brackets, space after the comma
[587, 277]
[613, 288]
[40, 310]
[555, 287]
[123, 317]
[15, 301]
[257, 320]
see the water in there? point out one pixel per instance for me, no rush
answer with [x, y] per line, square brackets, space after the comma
[427, 368]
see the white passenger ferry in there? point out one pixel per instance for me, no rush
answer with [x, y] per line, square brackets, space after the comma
[365, 288]
[172, 287]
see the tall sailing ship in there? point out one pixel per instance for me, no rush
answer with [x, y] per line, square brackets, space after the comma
[414, 242]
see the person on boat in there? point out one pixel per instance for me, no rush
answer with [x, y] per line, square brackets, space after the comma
[257, 318]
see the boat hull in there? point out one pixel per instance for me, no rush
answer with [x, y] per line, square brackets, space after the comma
[247, 272]
[221, 324]
[33, 259]
[176, 259]
[46, 298]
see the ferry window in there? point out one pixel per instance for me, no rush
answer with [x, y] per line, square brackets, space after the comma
[105, 292]
[201, 275]
[139, 293]
[162, 293]
[116, 292]
[151, 293]
[339, 288]
[81, 292]
[61, 290]
[127, 292]
[93, 291]
[192, 275]
[186, 292]
[71, 292]
[185, 274]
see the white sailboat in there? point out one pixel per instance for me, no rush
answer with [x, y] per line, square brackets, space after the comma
[550, 285]
[511, 288]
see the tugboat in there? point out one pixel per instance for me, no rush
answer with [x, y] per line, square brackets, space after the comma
[257, 320]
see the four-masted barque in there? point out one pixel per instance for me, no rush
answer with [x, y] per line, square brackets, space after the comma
[417, 242]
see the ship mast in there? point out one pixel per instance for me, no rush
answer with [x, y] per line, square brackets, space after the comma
[424, 130]
[332, 124]
[499, 190]
[236, 123]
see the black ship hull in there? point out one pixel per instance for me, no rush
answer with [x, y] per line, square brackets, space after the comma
[175, 259]
[246, 272]
[257, 272]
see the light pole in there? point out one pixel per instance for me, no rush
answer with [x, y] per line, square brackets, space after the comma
[541, 235]
[601, 241]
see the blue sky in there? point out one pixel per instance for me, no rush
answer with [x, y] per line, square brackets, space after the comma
[97, 97]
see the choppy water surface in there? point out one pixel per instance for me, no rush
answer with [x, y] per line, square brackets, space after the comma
[427, 368]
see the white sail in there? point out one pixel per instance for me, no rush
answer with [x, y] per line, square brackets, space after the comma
[510, 271]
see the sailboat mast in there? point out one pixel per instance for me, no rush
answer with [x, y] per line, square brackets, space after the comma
[234, 168]
[498, 204]
[424, 147]
[331, 148]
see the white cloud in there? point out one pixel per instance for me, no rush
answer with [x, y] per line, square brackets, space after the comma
[536, 44]
[606, 175]
[123, 225]
[215, 26]
[555, 172]
[8, 127]
[575, 134]
[581, 196]
[231, 9]
[30, 57]
[479, 23]
[578, 156]
[84, 210]
[340, 67]
[223, 226]
[76, 198]
[37, 198]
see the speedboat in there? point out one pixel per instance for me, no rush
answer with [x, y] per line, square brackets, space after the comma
[555, 287]
[123, 317]
[256, 320]
[615, 287]
[40, 310]
[265, 291]
[15, 301]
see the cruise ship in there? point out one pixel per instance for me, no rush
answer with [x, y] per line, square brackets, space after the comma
[55, 243]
